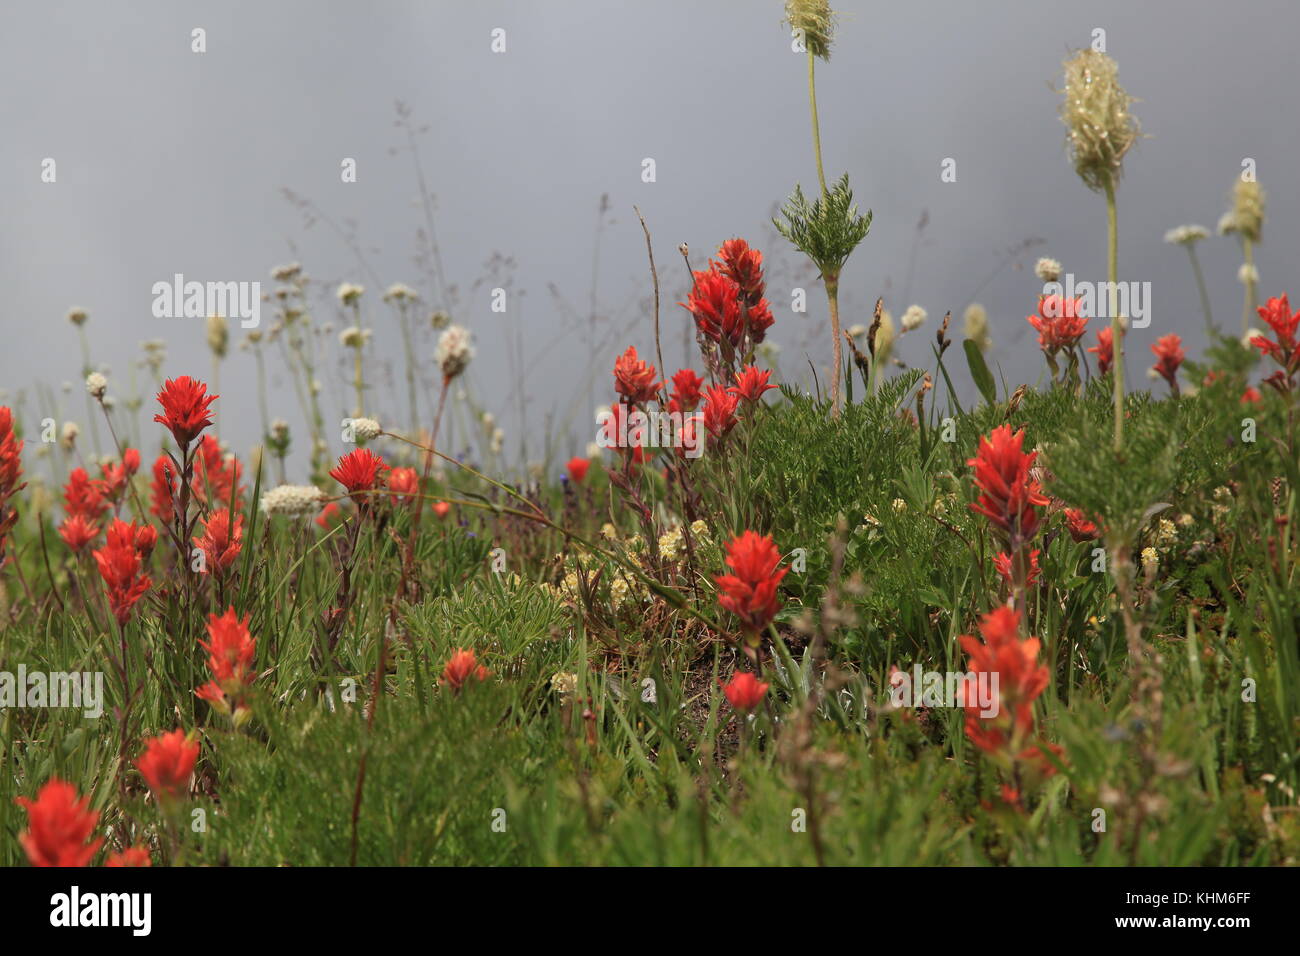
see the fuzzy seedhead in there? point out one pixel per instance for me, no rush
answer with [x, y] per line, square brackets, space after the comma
[817, 21]
[1096, 113]
[1247, 214]
[826, 230]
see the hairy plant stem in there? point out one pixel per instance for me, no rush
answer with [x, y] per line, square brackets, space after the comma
[833, 303]
[1116, 329]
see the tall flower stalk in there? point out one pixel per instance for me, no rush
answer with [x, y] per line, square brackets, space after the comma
[1188, 237]
[828, 229]
[1101, 131]
[1246, 220]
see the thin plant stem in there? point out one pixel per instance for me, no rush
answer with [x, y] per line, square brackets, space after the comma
[1200, 286]
[1248, 302]
[816, 127]
[1116, 328]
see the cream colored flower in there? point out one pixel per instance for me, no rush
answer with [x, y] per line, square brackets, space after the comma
[293, 500]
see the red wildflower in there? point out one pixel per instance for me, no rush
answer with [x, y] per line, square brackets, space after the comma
[759, 319]
[167, 763]
[11, 469]
[744, 691]
[220, 542]
[140, 537]
[714, 301]
[77, 532]
[686, 391]
[84, 496]
[1105, 350]
[1059, 324]
[1251, 396]
[163, 488]
[1277, 313]
[743, 265]
[576, 469]
[749, 591]
[1002, 564]
[185, 408]
[217, 474]
[1080, 528]
[460, 668]
[58, 826]
[329, 514]
[1169, 355]
[359, 471]
[405, 484]
[719, 411]
[231, 655]
[1020, 681]
[131, 856]
[119, 566]
[441, 508]
[751, 383]
[1008, 495]
[131, 460]
[635, 379]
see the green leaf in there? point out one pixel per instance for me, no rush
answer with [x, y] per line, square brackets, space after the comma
[979, 371]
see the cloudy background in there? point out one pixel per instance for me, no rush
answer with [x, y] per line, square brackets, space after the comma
[170, 161]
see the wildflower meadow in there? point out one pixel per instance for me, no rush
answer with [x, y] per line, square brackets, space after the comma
[829, 610]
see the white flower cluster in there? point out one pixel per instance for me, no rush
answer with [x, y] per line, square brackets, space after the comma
[1186, 235]
[454, 351]
[366, 429]
[293, 500]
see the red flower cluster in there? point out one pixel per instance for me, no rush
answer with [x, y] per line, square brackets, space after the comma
[1059, 324]
[1284, 349]
[744, 691]
[185, 408]
[460, 668]
[163, 488]
[1104, 349]
[1008, 494]
[405, 485]
[1002, 563]
[686, 391]
[751, 383]
[1080, 528]
[1169, 355]
[216, 475]
[11, 469]
[58, 826]
[360, 471]
[719, 411]
[635, 379]
[231, 655]
[220, 542]
[119, 563]
[84, 504]
[749, 591]
[727, 298]
[576, 469]
[167, 763]
[1020, 681]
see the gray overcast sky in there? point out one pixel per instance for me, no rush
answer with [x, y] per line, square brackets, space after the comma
[170, 161]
